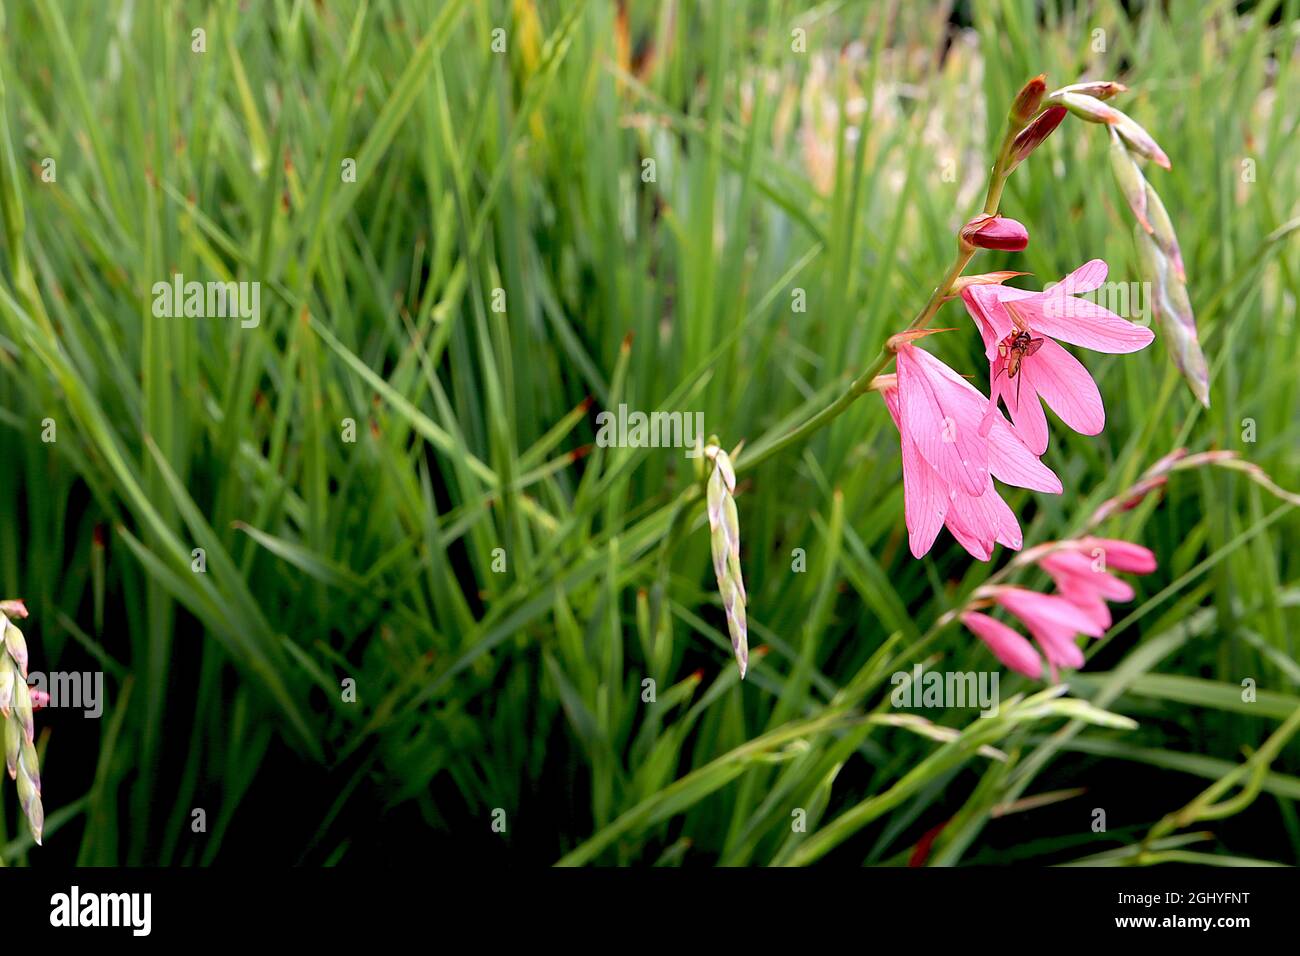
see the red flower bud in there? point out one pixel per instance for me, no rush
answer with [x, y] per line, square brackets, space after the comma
[1026, 102]
[1028, 139]
[995, 232]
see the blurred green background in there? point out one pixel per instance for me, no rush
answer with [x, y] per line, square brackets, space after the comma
[503, 268]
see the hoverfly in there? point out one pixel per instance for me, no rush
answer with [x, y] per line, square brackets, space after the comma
[1015, 348]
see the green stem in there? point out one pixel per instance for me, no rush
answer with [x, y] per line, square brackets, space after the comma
[864, 382]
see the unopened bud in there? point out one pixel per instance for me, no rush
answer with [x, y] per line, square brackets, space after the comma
[1025, 106]
[17, 648]
[1087, 107]
[14, 608]
[1130, 179]
[1100, 89]
[995, 232]
[1140, 141]
[1162, 231]
[1032, 135]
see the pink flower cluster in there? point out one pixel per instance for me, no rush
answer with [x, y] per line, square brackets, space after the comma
[1083, 586]
[955, 441]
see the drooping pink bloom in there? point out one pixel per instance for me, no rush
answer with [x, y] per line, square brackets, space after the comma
[1088, 589]
[947, 462]
[1081, 573]
[1007, 645]
[1054, 623]
[1117, 554]
[1080, 568]
[1020, 329]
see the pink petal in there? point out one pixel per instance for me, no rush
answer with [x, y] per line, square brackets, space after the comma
[1010, 460]
[1086, 324]
[925, 500]
[1072, 564]
[1046, 610]
[985, 518]
[940, 421]
[1067, 387]
[1026, 411]
[1121, 555]
[1006, 644]
[1087, 601]
[1058, 646]
[925, 497]
[1087, 278]
[981, 549]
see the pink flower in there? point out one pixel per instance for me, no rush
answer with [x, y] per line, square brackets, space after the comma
[995, 232]
[1088, 589]
[947, 462]
[1084, 585]
[1054, 623]
[1120, 555]
[1007, 645]
[1081, 575]
[1019, 329]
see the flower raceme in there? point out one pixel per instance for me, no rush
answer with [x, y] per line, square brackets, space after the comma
[1020, 329]
[949, 463]
[1084, 584]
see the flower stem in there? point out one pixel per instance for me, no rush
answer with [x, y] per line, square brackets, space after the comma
[865, 382]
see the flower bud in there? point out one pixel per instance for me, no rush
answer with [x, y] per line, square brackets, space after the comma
[995, 232]
[1140, 141]
[1094, 110]
[1088, 107]
[17, 648]
[1162, 231]
[1025, 105]
[1028, 139]
[14, 608]
[1130, 179]
[1099, 89]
